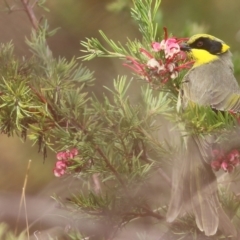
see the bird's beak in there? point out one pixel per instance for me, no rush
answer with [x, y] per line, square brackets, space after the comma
[185, 47]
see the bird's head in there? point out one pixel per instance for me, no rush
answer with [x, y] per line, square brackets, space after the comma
[204, 48]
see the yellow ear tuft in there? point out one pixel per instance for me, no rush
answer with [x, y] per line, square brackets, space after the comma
[225, 47]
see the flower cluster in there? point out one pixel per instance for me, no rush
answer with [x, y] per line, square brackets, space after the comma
[227, 162]
[163, 63]
[63, 161]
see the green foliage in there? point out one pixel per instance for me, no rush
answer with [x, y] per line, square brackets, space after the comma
[203, 120]
[113, 134]
[6, 234]
[41, 3]
[236, 61]
[140, 122]
[118, 5]
[144, 12]
[95, 49]
[33, 91]
[231, 203]
[45, 99]
[114, 140]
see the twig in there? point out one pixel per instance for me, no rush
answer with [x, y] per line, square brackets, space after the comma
[33, 5]
[31, 14]
[153, 213]
[96, 183]
[146, 213]
[25, 210]
[11, 10]
[35, 234]
[109, 165]
[23, 199]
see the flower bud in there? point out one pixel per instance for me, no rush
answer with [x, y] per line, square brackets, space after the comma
[174, 75]
[216, 165]
[74, 151]
[156, 46]
[60, 155]
[58, 172]
[153, 63]
[224, 166]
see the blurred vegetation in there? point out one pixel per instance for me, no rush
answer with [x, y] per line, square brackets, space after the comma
[182, 18]
[80, 19]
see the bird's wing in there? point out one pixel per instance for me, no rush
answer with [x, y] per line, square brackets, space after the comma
[214, 85]
[194, 189]
[203, 190]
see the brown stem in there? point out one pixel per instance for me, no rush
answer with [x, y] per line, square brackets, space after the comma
[109, 165]
[151, 213]
[31, 14]
[43, 100]
[96, 183]
[34, 3]
[145, 214]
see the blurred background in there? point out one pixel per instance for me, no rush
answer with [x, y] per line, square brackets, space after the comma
[77, 20]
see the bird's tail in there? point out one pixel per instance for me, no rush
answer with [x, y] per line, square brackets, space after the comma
[194, 189]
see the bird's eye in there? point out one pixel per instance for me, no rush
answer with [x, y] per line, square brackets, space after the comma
[200, 44]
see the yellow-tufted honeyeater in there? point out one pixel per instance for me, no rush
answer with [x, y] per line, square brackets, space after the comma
[210, 82]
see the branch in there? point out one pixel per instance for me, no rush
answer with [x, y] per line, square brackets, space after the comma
[30, 13]
[113, 170]
[151, 213]
[33, 5]
[11, 10]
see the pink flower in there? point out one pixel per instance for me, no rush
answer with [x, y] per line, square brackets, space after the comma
[224, 166]
[171, 66]
[156, 46]
[174, 75]
[60, 165]
[146, 53]
[64, 160]
[158, 69]
[60, 156]
[74, 151]
[60, 168]
[170, 47]
[135, 65]
[58, 172]
[216, 165]
[233, 155]
[227, 167]
[230, 168]
[216, 153]
[68, 155]
[153, 63]
[227, 162]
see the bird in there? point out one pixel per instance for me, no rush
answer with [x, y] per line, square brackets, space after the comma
[210, 82]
